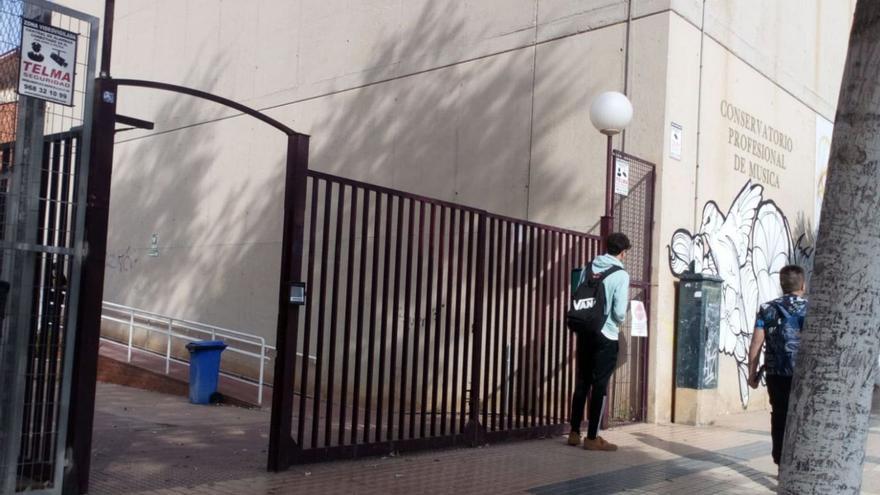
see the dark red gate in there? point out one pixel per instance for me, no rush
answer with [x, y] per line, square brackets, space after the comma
[431, 324]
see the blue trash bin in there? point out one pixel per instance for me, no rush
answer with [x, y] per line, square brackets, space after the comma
[204, 368]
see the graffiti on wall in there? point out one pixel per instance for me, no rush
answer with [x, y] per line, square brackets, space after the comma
[746, 248]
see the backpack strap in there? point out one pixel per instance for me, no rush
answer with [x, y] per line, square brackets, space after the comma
[779, 307]
[606, 273]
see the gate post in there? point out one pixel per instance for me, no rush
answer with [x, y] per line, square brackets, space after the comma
[85, 365]
[474, 431]
[282, 447]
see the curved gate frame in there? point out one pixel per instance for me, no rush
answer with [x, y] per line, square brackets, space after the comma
[92, 286]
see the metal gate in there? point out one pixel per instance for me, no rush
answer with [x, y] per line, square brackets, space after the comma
[430, 324]
[42, 198]
[634, 215]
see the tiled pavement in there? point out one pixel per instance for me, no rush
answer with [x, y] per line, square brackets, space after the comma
[153, 444]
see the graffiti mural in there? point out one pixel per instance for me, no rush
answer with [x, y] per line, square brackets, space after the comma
[746, 248]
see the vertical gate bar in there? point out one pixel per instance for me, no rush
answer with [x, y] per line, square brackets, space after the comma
[553, 323]
[649, 241]
[371, 339]
[542, 330]
[507, 324]
[531, 319]
[496, 329]
[518, 318]
[468, 324]
[346, 335]
[417, 317]
[456, 363]
[558, 328]
[359, 333]
[447, 329]
[527, 327]
[308, 327]
[435, 374]
[487, 327]
[566, 341]
[281, 444]
[322, 298]
[479, 324]
[383, 338]
[334, 313]
[88, 280]
[429, 291]
[395, 315]
[407, 293]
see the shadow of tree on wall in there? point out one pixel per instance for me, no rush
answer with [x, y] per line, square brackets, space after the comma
[212, 192]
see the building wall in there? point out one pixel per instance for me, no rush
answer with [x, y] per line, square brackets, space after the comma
[482, 103]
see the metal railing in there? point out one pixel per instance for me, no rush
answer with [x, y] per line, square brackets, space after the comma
[176, 328]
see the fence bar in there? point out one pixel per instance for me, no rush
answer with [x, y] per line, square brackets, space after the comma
[429, 290]
[470, 272]
[417, 322]
[371, 339]
[407, 293]
[359, 334]
[459, 293]
[507, 325]
[497, 329]
[319, 352]
[474, 426]
[334, 311]
[447, 329]
[395, 315]
[383, 339]
[310, 303]
[346, 335]
[435, 376]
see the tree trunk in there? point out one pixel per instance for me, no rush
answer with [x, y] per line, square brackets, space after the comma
[833, 383]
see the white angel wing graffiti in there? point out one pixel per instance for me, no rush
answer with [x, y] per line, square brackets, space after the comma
[681, 252]
[771, 250]
[740, 218]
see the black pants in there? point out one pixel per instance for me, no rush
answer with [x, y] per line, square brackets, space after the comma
[779, 388]
[596, 359]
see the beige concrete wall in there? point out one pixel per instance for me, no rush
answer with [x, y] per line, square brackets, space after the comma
[481, 103]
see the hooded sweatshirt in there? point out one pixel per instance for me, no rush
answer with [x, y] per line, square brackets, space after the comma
[616, 294]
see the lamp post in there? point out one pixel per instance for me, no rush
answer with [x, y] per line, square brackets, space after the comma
[610, 113]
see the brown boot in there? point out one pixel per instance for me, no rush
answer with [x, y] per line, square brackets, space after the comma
[599, 444]
[574, 438]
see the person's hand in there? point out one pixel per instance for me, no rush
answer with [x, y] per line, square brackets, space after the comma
[753, 380]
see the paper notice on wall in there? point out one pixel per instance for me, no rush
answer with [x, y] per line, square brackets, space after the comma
[639, 319]
[675, 136]
[621, 177]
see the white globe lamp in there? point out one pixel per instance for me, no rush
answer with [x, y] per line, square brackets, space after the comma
[611, 112]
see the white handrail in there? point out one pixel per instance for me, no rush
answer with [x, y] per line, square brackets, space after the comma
[168, 331]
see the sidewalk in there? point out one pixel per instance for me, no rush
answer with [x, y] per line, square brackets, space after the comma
[155, 444]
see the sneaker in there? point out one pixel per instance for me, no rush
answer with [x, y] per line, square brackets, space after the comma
[574, 438]
[599, 443]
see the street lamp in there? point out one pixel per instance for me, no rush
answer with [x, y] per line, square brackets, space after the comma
[610, 113]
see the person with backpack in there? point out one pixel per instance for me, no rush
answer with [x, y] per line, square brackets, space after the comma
[598, 307]
[778, 329]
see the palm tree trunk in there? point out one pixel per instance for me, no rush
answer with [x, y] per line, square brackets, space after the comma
[833, 383]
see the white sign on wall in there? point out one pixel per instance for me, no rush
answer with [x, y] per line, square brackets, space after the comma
[675, 136]
[47, 65]
[639, 322]
[621, 177]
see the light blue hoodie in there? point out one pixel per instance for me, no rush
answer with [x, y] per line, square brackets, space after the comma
[616, 293]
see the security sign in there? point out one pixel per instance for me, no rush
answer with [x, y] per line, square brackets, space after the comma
[47, 62]
[621, 177]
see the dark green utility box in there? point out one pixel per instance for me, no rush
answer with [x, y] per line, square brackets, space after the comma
[697, 331]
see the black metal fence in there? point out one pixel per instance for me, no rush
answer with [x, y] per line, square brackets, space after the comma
[432, 324]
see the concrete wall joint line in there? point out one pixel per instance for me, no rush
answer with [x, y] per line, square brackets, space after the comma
[534, 44]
